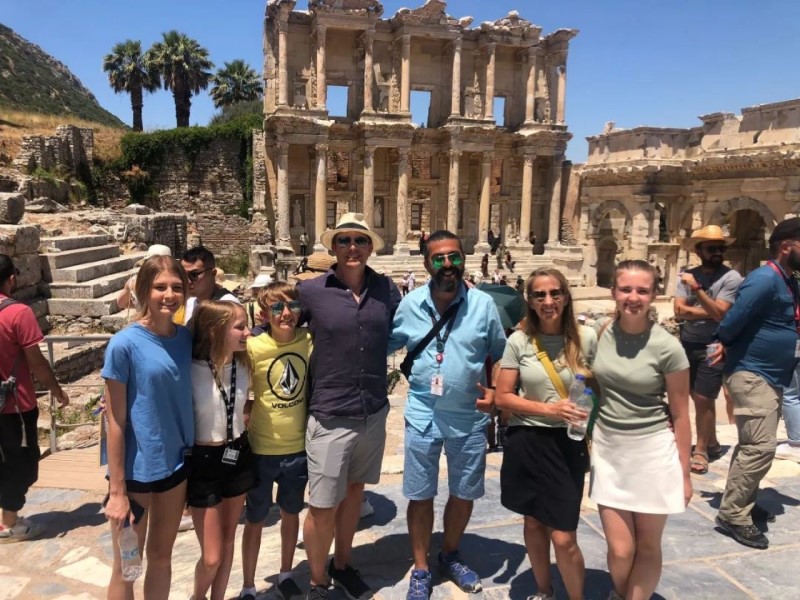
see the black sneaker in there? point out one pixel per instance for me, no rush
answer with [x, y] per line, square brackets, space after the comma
[749, 535]
[349, 581]
[761, 514]
[289, 590]
[317, 592]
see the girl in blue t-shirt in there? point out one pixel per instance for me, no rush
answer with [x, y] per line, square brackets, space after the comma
[150, 424]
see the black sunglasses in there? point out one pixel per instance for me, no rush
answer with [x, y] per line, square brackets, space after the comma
[276, 308]
[714, 249]
[195, 275]
[346, 240]
[540, 295]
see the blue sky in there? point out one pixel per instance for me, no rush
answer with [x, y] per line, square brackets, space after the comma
[642, 62]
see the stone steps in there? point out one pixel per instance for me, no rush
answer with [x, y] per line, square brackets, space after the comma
[79, 256]
[63, 243]
[96, 269]
[84, 307]
[93, 288]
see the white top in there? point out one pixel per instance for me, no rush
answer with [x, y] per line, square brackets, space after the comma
[191, 304]
[210, 416]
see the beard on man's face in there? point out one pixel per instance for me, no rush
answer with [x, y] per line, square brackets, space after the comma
[794, 260]
[713, 260]
[444, 282]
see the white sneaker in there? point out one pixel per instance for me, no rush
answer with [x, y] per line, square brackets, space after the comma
[541, 596]
[186, 523]
[23, 530]
[788, 452]
[366, 509]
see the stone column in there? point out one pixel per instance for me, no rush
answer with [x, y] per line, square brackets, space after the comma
[530, 92]
[320, 195]
[369, 36]
[527, 199]
[322, 86]
[554, 225]
[452, 192]
[369, 184]
[282, 229]
[488, 111]
[283, 32]
[455, 100]
[561, 97]
[401, 246]
[405, 75]
[483, 214]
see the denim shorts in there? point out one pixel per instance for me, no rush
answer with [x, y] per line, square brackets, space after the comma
[290, 472]
[466, 463]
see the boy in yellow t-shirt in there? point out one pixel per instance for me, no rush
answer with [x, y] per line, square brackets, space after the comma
[276, 430]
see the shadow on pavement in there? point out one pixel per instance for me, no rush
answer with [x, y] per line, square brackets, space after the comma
[58, 523]
[385, 511]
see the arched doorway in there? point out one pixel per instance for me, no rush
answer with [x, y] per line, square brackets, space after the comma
[750, 248]
[606, 260]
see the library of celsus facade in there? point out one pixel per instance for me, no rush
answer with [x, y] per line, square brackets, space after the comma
[477, 163]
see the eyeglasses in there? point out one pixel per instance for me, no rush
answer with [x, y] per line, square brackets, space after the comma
[276, 309]
[539, 295]
[455, 258]
[346, 240]
[715, 249]
[195, 275]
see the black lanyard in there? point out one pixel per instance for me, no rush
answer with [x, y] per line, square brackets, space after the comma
[229, 400]
[792, 291]
[442, 340]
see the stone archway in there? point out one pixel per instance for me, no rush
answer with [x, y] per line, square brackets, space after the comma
[607, 250]
[605, 220]
[723, 212]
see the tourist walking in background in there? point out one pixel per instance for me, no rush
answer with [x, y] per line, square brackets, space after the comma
[703, 297]
[543, 470]
[404, 284]
[485, 266]
[412, 281]
[440, 411]
[221, 464]
[760, 334]
[499, 254]
[349, 311]
[640, 463]
[255, 316]
[304, 240]
[277, 427]
[510, 262]
[148, 393]
[20, 357]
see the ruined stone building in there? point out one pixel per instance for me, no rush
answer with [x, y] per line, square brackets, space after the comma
[643, 191]
[489, 154]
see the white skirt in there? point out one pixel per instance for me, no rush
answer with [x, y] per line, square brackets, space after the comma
[637, 472]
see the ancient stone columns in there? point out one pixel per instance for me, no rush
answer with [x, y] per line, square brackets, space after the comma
[452, 192]
[282, 229]
[369, 184]
[401, 245]
[527, 198]
[488, 112]
[530, 90]
[561, 93]
[322, 86]
[369, 36]
[455, 100]
[283, 30]
[483, 212]
[405, 74]
[554, 224]
[320, 195]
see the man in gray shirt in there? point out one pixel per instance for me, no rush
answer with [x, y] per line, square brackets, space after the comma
[704, 295]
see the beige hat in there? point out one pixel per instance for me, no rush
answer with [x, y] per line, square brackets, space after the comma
[155, 250]
[710, 233]
[352, 222]
[224, 282]
[319, 261]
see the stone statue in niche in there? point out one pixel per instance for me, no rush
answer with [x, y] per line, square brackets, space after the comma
[300, 100]
[297, 213]
[377, 213]
[542, 110]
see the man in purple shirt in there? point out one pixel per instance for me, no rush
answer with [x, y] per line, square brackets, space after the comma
[349, 311]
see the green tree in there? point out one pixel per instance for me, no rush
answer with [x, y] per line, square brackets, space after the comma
[235, 82]
[183, 67]
[129, 72]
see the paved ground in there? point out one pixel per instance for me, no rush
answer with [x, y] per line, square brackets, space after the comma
[71, 560]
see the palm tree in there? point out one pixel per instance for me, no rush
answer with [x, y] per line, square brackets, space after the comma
[129, 72]
[235, 82]
[184, 68]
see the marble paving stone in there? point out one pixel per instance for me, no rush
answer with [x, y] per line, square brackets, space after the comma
[765, 573]
[89, 570]
[697, 581]
[11, 587]
[46, 589]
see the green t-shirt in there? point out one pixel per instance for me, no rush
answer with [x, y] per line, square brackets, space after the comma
[630, 370]
[534, 384]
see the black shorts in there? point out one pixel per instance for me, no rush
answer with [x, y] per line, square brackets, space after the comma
[543, 475]
[160, 486]
[212, 480]
[704, 379]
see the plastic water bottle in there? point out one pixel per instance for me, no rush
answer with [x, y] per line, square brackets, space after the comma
[577, 388]
[710, 350]
[577, 393]
[577, 429]
[129, 554]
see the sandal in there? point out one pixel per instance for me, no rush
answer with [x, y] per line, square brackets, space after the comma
[699, 463]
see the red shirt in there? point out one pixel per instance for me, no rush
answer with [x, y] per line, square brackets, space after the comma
[18, 330]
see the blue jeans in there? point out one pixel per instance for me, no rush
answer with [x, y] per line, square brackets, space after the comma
[791, 408]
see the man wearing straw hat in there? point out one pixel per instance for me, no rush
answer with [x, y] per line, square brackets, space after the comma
[704, 295]
[349, 310]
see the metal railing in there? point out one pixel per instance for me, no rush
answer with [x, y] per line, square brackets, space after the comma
[57, 339]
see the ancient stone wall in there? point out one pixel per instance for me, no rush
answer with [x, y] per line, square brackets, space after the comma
[167, 229]
[21, 243]
[225, 235]
[70, 149]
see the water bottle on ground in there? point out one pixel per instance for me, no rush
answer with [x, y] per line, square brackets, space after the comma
[129, 553]
[577, 395]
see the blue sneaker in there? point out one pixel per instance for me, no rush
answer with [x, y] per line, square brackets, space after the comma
[419, 586]
[465, 578]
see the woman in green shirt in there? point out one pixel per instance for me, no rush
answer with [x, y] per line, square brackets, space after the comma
[640, 464]
[543, 470]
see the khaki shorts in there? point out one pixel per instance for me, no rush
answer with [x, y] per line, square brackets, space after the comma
[341, 450]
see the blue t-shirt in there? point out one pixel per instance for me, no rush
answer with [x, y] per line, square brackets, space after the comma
[156, 371]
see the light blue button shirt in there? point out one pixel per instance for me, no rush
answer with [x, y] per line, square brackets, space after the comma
[476, 334]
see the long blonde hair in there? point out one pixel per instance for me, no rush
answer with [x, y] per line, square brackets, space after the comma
[572, 339]
[145, 278]
[208, 325]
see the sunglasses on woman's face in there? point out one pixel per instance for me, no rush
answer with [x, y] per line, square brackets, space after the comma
[540, 295]
[276, 309]
[455, 258]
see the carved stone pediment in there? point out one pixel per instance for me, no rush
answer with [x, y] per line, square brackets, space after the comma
[513, 25]
[363, 8]
[430, 13]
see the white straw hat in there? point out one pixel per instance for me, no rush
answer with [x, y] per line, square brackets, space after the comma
[352, 222]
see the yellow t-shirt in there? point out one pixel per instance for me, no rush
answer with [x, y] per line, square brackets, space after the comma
[278, 421]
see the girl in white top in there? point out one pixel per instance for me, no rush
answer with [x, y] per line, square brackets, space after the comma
[222, 470]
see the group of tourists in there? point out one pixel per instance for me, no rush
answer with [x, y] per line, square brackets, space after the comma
[204, 412]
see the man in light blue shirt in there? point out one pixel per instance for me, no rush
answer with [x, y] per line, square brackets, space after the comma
[440, 409]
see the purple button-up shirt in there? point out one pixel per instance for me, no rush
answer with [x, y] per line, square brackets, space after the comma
[348, 362]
